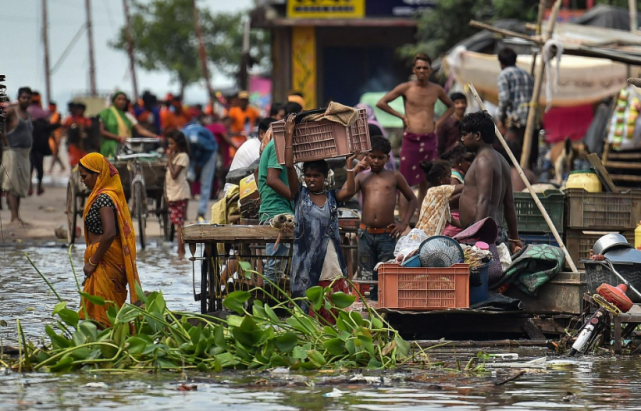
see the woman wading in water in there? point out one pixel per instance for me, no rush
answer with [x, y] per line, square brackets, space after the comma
[110, 258]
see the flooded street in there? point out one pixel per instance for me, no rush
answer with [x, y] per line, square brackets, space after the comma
[25, 296]
[592, 383]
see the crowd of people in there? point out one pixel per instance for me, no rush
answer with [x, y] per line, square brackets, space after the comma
[450, 161]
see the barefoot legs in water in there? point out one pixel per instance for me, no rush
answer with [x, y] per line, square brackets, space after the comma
[14, 206]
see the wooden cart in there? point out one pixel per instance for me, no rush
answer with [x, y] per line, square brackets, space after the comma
[225, 245]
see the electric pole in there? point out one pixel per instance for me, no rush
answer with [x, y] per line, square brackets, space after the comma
[45, 41]
[130, 49]
[201, 51]
[92, 64]
[244, 61]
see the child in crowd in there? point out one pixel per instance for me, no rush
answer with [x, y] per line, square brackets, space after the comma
[317, 258]
[460, 161]
[378, 230]
[435, 210]
[176, 184]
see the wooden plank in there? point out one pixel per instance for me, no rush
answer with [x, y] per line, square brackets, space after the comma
[448, 345]
[206, 233]
[624, 156]
[625, 177]
[622, 164]
[602, 173]
[617, 334]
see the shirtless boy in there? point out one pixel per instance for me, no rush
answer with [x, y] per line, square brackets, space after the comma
[378, 230]
[488, 183]
[419, 138]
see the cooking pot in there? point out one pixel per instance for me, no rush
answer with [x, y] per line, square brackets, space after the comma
[609, 242]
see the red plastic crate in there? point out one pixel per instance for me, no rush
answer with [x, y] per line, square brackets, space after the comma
[319, 140]
[422, 288]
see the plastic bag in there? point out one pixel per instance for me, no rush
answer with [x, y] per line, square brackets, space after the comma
[504, 256]
[409, 243]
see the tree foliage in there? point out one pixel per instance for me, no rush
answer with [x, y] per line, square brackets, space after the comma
[165, 40]
[448, 23]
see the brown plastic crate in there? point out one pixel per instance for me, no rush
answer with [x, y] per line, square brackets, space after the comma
[319, 140]
[602, 211]
[579, 243]
[422, 288]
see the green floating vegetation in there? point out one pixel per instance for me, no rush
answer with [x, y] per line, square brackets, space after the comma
[151, 337]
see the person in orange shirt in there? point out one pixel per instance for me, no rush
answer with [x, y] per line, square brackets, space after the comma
[56, 135]
[243, 119]
[77, 130]
[173, 115]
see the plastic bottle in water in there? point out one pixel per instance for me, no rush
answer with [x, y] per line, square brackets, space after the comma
[583, 337]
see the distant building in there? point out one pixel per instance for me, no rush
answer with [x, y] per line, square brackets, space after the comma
[337, 49]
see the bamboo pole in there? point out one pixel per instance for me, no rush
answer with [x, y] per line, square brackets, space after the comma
[92, 62]
[632, 4]
[202, 53]
[45, 42]
[130, 49]
[539, 18]
[538, 82]
[528, 185]
[509, 33]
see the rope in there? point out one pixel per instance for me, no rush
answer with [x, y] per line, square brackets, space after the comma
[548, 55]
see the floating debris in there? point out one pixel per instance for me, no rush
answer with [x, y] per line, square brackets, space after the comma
[335, 393]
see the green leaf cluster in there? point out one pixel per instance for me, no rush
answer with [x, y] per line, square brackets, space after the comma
[152, 337]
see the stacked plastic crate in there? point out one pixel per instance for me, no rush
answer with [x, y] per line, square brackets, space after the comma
[591, 215]
[533, 229]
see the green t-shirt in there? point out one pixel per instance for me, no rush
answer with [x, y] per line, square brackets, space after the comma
[271, 203]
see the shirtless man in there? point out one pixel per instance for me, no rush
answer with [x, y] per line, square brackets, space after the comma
[378, 230]
[419, 138]
[15, 169]
[488, 182]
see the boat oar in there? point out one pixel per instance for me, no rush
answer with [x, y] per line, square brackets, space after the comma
[535, 197]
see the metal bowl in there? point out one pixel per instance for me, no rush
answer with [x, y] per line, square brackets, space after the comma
[609, 242]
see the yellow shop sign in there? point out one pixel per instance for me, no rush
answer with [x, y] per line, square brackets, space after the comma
[325, 8]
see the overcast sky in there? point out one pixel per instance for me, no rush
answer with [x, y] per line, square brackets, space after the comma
[22, 56]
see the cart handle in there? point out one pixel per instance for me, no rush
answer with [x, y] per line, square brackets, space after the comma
[139, 155]
[140, 140]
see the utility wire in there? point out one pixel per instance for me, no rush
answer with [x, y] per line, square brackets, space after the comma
[70, 46]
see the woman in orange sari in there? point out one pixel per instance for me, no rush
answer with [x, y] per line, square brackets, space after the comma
[110, 258]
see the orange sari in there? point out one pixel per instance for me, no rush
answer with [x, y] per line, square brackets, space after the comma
[117, 269]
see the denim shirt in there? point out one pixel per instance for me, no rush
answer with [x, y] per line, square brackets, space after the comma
[202, 143]
[311, 237]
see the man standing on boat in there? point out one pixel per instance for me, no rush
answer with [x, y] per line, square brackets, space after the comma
[419, 138]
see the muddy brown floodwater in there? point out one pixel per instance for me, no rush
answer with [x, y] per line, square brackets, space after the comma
[591, 383]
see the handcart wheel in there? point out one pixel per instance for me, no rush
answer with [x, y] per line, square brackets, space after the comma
[163, 218]
[204, 282]
[140, 213]
[72, 211]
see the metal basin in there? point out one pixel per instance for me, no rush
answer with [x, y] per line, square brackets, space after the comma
[609, 242]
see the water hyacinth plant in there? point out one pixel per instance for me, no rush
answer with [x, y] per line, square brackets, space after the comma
[152, 337]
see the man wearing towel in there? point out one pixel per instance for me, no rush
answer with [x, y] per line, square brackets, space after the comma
[419, 138]
[15, 169]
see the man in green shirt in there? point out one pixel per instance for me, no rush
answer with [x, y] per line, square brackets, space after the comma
[275, 199]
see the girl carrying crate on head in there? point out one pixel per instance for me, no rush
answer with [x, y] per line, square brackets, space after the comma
[317, 257]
